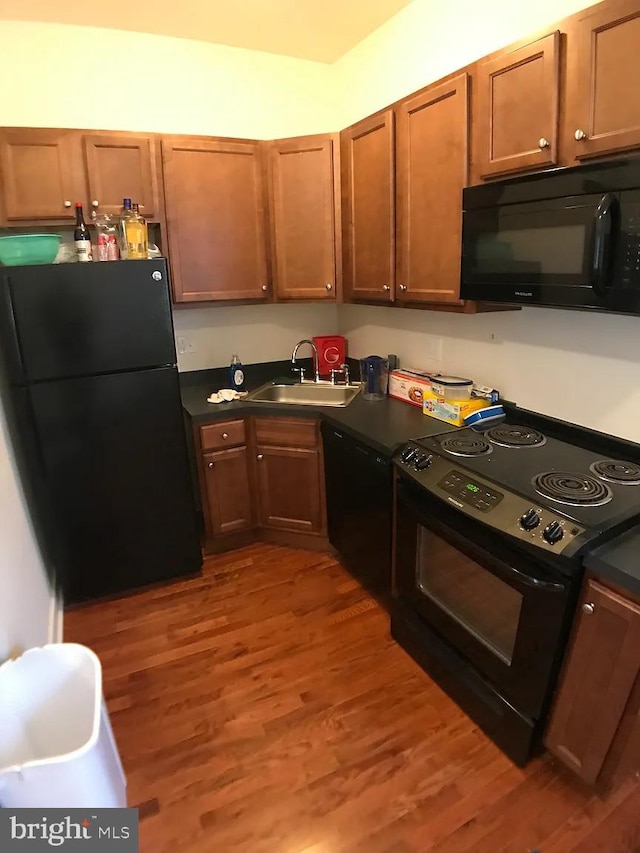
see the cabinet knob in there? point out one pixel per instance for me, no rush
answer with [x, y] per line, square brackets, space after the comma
[264, 288]
[588, 608]
[67, 204]
[260, 457]
[225, 436]
[386, 288]
[328, 287]
[402, 287]
[543, 143]
[580, 135]
[211, 465]
[95, 202]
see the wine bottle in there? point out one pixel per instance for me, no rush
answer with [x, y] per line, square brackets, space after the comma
[81, 236]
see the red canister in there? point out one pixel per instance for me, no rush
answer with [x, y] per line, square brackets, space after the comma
[332, 352]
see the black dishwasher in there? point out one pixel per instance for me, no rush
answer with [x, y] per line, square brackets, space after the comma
[359, 502]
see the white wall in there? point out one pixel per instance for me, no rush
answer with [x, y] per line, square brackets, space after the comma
[134, 81]
[572, 365]
[27, 607]
[256, 332]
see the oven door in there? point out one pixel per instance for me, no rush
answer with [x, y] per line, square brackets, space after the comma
[557, 252]
[500, 608]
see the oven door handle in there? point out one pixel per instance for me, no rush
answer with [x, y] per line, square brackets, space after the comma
[537, 583]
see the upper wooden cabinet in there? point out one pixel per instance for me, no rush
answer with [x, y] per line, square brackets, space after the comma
[432, 168]
[515, 109]
[590, 704]
[44, 171]
[41, 174]
[303, 197]
[603, 97]
[122, 166]
[368, 209]
[214, 196]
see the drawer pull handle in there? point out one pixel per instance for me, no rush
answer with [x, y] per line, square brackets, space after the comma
[588, 608]
[225, 436]
[260, 457]
[212, 465]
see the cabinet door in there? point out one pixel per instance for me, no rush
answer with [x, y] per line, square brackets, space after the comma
[122, 166]
[289, 488]
[593, 692]
[515, 122]
[368, 182]
[432, 168]
[302, 195]
[228, 491]
[214, 198]
[603, 90]
[41, 173]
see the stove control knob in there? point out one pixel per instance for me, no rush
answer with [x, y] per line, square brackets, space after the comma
[425, 462]
[407, 453]
[553, 532]
[530, 519]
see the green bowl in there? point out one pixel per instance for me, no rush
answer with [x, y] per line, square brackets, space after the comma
[29, 249]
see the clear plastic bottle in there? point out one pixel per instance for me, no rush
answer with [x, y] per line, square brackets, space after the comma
[236, 374]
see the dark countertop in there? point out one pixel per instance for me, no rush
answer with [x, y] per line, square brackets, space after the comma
[384, 425]
[618, 561]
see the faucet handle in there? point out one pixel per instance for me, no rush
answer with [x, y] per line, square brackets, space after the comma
[344, 369]
[299, 370]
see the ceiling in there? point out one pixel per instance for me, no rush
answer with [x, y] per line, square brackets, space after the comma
[321, 30]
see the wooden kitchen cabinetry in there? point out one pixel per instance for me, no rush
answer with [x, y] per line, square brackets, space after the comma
[595, 723]
[216, 223]
[305, 216]
[515, 109]
[43, 172]
[290, 475]
[432, 168]
[123, 165]
[226, 482]
[603, 98]
[368, 209]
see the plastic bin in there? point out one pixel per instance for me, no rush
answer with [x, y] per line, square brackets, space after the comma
[57, 748]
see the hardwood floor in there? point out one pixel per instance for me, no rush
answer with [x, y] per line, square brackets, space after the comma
[264, 708]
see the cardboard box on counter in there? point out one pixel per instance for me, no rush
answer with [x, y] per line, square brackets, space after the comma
[408, 385]
[451, 411]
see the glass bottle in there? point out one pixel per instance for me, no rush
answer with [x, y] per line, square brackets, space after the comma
[81, 236]
[135, 229]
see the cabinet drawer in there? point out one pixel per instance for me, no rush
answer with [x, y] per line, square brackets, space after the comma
[286, 432]
[221, 435]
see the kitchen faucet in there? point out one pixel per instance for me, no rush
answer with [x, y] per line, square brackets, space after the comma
[300, 370]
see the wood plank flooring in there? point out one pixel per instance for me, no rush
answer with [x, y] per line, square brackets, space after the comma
[264, 708]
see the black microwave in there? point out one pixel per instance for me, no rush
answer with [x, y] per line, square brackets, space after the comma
[565, 238]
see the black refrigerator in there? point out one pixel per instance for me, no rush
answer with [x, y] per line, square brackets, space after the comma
[89, 384]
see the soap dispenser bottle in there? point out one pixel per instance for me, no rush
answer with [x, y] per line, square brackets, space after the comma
[236, 374]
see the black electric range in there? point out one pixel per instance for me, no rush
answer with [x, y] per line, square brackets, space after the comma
[548, 493]
[491, 530]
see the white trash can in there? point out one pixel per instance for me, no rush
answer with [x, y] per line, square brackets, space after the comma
[57, 749]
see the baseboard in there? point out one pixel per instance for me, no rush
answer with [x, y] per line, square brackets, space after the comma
[56, 618]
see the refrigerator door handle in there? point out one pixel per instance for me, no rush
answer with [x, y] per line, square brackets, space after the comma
[9, 333]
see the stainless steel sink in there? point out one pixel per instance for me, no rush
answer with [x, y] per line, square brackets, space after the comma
[305, 394]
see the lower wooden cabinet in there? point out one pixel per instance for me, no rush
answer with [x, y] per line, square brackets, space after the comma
[228, 491]
[595, 723]
[261, 476]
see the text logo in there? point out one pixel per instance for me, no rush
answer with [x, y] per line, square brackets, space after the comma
[33, 830]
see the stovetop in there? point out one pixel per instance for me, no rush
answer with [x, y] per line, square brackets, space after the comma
[548, 492]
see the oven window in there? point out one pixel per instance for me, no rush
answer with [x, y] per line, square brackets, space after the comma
[482, 603]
